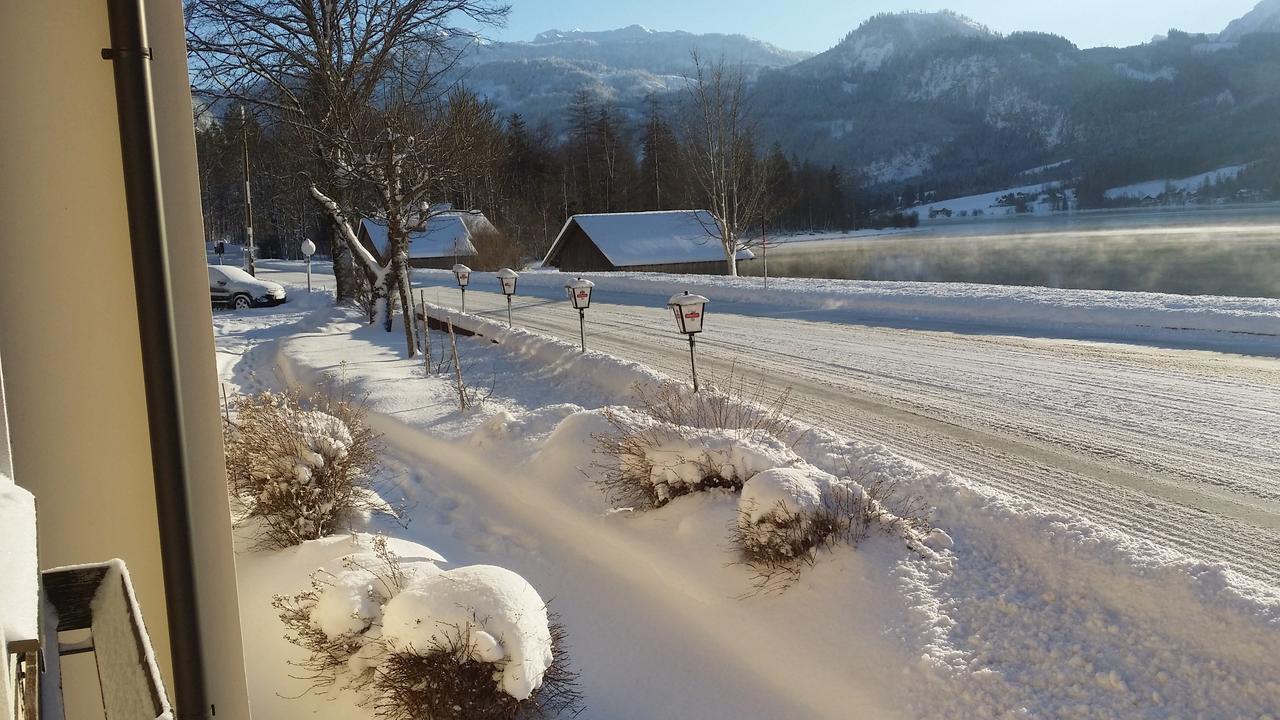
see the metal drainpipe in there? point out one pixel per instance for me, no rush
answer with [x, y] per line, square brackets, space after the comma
[135, 109]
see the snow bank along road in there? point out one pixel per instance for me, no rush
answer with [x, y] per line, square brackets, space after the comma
[1179, 446]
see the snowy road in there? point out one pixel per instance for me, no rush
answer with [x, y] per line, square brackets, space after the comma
[1178, 446]
[1181, 447]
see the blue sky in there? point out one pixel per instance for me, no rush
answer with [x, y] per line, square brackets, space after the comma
[818, 24]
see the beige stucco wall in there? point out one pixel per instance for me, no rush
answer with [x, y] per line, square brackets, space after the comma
[68, 325]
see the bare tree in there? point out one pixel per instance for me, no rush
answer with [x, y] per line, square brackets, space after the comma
[359, 83]
[720, 135]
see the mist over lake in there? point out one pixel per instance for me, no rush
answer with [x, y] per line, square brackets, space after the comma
[1221, 251]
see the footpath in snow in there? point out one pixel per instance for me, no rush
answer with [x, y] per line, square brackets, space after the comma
[1022, 613]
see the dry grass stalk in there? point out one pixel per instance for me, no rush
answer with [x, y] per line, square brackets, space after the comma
[445, 683]
[729, 403]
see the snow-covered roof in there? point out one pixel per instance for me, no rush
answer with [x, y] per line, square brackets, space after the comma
[445, 235]
[650, 238]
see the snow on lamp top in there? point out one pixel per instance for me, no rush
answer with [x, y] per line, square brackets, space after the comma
[688, 311]
[463, 273]
[508, 277]
[580, 292]
[308, 247]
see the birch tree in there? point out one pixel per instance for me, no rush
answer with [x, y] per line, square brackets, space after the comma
[720, 139]
[360, 83]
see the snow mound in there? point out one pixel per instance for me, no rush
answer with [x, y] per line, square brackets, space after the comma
[350, 605]
[1155, 188]
[499, 612]
[793, 490]
[395, 599]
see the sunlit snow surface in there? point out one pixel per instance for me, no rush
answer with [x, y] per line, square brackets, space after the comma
[1017, 610]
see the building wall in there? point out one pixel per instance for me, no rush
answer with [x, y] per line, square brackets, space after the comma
[714, 267]
[69, 328]
[579, 254]
[225, 682]
[440, 263]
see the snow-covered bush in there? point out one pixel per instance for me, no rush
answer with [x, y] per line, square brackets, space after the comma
[652, 462]
[678, 442]
[299, 466]
[786, 515]
[420, 643]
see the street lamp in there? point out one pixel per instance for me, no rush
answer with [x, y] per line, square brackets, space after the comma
[463, 274]
[308, 249]
[507, 278]
[689, 313]
[580, 295]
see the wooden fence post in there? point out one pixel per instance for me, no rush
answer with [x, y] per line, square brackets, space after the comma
[457, 368]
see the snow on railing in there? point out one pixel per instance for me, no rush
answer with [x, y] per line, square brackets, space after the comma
[19, 590]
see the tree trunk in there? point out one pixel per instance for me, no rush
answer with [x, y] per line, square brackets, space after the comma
[400, 268]
[344, 271]
[382, 299]
[730, 251]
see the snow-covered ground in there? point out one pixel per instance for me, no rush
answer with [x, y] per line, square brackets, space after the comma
[987, 204]
[1041, 608]
[1155, 188]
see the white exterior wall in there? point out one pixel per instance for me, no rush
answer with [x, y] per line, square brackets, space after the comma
[69, 329]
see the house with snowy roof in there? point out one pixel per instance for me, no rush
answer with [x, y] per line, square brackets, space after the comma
[446, 240]
[672, 241]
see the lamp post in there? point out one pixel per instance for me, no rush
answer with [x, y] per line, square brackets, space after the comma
[463, 274]
[308, 249]
[507, 278]
[579, 291]
[689, 311]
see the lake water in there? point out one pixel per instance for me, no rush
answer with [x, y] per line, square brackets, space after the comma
[1219, 251]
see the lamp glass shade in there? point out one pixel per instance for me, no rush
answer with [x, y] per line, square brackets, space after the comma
[580, 293]
[508, 278]
[689, 312]
[308, 247]
[463, 273]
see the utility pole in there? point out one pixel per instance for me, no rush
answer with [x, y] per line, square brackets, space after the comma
[248, 199]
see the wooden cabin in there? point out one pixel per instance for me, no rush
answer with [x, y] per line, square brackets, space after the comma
[446, 241]
[669, 241]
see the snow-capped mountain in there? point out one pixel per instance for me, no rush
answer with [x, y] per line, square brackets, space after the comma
[638, 48]
[891, 35]
[1264, 18]
[620, 67]
[938, 97]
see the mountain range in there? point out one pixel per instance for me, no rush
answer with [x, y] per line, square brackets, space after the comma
[939, 98]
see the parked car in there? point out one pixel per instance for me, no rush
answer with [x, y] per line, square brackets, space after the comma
[234, 288]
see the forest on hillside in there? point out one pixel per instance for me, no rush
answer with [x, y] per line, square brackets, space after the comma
[526, 179]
